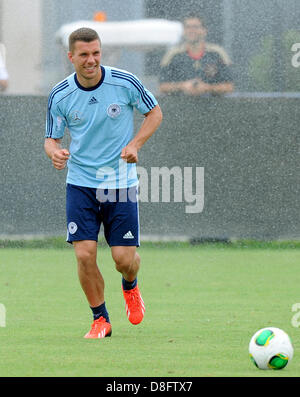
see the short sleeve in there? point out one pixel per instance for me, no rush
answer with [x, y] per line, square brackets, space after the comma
[141, 98]
[55, 123]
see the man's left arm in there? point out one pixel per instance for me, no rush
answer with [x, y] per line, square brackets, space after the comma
[150, 124]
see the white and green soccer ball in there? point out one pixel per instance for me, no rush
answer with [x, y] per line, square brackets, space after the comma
[271, 348]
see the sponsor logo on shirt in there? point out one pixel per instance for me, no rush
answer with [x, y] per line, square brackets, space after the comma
[76, 116]
[93, 100]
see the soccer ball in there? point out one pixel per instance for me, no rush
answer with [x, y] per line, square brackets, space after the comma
[271, 348]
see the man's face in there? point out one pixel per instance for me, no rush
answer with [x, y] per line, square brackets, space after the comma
[194, 31]
[86, 59]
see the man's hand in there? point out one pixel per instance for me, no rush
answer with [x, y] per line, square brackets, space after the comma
[201, 88]
[194, 87]
[59, 158]
[188, 87]
[130, 154]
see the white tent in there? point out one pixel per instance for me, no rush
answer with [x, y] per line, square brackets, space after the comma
[141, 35]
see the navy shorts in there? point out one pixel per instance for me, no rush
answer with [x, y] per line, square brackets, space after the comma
[117, 209]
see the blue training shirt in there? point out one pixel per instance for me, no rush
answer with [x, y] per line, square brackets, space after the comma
[100, 122]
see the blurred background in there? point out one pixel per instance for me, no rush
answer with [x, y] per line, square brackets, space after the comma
[257, 35]
[247, 141]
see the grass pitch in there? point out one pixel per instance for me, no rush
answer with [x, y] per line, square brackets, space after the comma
[203, 304]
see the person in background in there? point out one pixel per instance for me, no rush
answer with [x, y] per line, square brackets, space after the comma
[196, 67]
[3, 73]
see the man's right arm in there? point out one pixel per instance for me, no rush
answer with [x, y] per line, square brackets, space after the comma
[56, 153]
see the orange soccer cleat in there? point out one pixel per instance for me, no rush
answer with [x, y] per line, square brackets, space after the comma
[135, 307]
[100, 329]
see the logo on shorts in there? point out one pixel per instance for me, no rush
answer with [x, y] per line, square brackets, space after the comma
[128, 235]
[113, 110]
[72, 227]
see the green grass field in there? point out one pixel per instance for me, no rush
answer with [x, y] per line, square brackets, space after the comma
[203, 303]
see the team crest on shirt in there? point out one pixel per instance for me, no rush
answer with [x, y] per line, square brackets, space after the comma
[113, 110]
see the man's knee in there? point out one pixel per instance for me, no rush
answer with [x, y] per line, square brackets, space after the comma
[86, 252]
[125, 258]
